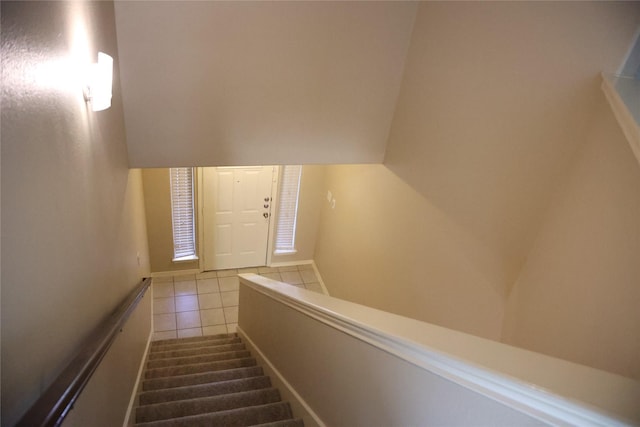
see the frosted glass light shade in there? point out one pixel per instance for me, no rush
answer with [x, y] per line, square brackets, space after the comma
[100, 81]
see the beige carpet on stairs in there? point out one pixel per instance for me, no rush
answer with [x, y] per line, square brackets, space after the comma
[208, 381]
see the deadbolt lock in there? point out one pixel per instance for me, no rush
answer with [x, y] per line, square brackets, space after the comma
[266, 215]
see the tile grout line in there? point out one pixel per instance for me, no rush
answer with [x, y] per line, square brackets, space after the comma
[229, 324]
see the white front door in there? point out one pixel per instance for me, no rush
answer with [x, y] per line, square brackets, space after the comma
[236, 213]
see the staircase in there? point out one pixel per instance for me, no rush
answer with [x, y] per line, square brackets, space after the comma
[208, 381]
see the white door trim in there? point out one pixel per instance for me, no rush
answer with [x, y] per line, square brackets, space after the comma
[200, 216]
[274, 211]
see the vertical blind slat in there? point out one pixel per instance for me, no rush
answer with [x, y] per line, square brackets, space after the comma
[288, 209]
[182, 211]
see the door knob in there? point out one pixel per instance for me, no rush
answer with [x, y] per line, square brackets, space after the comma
[266, 199]
[266, 215]
[266, 206]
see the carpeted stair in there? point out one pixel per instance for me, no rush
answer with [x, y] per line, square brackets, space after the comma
[208, 381]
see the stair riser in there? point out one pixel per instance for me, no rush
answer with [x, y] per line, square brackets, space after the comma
[199, 368]
[197, 351]
[163, 411]
[204, 390]
[203, 378]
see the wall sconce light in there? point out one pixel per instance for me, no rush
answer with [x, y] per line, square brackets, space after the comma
[99, 82]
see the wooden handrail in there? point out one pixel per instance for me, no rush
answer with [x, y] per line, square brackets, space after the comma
[56, 402]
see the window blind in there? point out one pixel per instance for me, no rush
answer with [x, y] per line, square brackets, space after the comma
[288, 209]
[182, 211]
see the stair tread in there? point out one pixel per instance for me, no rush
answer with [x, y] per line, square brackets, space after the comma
[254, 415]
[197, 350]
[173, 371]
[205, 381]
[202, 405]
[193, 339]
[163, 383]
[192, 345]
[198, 358]
[204, 390]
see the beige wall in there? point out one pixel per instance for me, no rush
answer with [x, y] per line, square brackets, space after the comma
[577, 296]
[386, 246]
[495, 102]
[106, 397]
[72, 212]
[312, 190]
[157, 201]
[493, 106]
[256, 83]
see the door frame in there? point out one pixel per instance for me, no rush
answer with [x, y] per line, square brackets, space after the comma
[200, 216]
[275, 182]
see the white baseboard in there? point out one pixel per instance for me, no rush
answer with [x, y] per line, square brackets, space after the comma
[175, 272]
[288, 263]
[315, 269]
[128, 420]
[299, 406]
[309, 261]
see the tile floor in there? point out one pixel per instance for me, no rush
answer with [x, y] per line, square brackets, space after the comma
[207, 303]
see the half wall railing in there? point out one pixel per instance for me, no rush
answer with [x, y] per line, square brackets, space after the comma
[354, 365]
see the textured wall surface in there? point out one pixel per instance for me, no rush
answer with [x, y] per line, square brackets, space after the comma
[73, 230]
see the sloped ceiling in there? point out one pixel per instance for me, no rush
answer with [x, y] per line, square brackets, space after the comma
[224, 83]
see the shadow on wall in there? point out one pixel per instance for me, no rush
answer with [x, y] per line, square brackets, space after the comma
[577, 296]
[384, 245]
[485, 129]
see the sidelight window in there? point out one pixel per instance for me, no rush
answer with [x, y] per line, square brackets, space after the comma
[288, 209]
[182, 210]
